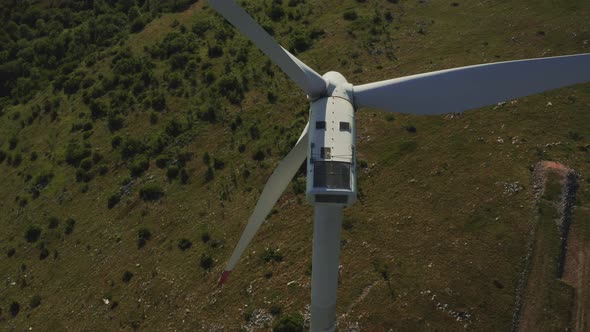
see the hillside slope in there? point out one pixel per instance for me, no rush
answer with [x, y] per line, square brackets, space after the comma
[131, 166]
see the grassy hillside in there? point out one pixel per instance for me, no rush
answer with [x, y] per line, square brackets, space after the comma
[130, 166]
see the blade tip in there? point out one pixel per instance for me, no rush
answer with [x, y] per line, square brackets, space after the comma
[223, 278]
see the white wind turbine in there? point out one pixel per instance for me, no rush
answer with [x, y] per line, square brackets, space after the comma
[328, 143]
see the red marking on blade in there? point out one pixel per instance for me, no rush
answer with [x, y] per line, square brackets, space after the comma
[223, 278]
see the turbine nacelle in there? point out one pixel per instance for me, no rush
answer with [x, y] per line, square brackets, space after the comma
[331, 157]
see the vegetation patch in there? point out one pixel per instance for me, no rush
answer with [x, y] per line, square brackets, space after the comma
[32, 234]
[206, 262]
[151, 192]
[184, 244]
[143, 235]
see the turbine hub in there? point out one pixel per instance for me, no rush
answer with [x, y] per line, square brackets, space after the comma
[337, 86]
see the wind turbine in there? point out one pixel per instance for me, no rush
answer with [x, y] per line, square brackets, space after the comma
[328, 140]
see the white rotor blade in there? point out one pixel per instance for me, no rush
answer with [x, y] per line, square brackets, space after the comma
[275, 186]
[464, 88]
[306, 78]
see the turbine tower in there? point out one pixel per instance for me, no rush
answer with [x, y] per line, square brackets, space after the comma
[328, 140]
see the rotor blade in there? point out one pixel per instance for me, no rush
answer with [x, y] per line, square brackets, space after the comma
[276, 184]
[306, 78]
[460, 89]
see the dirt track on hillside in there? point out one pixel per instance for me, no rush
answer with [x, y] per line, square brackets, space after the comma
[575, 255]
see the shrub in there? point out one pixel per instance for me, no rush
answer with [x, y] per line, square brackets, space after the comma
[574, 135]
[289, 323]
[183, 158]
[209, 175]
[158, 143]
[153, 117]
[42, 179]
[143, 235]
[161, 161]
[83, 175]
[248, 314]
[44, 253]
[254, 132]
[410, 129]
[113, 200]
[116, 141]
[138, 24]
[151, 192]
[350, 15]
[258, 155]
[272, 255]
[205, 237]
[70, 223]
[206, 158]
[174, 128]
[86, 164]
[348, 223]
[115, 122]
[218, 164]
[35, 301]
[23, 201]
[103, 169]
[76, 152]
[208, 113]
[184, 244]
[14, 308]
[275, 310]
[12, 142]
[10, 252]
[139, 165]
[98, 108]
[32, 234]
[130, 147]
[16, 159]
[172, 172]
[178, 61]
[206, 262]
[272, 98]
[200, 27]
[184, 176]
[158, 101]
[300, 42]
[96, 157]
[215, 51]
[127, 276]
[72, 85]
[299, 186]
[53, 222]
[276, 12]
[34, 192]
[231, 87]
